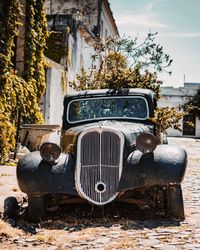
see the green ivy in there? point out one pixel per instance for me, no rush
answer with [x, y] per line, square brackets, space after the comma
[35, 42]
[19, 96]
[9, 21]
[55, 48]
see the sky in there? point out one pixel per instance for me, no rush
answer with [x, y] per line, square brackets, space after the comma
[178, 25]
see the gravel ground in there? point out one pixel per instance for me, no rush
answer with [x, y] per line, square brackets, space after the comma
[110, 229]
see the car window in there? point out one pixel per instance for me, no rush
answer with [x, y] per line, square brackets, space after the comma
[107, 108]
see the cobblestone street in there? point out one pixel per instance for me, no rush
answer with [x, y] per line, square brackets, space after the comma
[99, 125]
[123, 233]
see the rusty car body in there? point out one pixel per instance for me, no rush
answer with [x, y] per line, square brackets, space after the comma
[108, 151]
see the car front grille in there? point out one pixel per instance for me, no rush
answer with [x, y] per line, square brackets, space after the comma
[99, 164]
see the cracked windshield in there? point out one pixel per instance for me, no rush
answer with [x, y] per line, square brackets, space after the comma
[123, 107]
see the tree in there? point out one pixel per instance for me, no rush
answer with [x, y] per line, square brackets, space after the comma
[127, 64]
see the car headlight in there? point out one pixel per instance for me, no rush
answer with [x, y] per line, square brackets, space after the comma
[146, 142]
[50, 152]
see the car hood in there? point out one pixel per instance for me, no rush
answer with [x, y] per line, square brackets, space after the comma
[130, 130]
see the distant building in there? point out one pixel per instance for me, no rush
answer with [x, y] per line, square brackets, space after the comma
[174, 97]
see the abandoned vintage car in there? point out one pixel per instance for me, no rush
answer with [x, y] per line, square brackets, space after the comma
[108, 152]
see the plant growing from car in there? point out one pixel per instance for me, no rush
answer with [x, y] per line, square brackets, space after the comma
[126, 63]
[166, 117]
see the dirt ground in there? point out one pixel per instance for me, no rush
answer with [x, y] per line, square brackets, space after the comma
[114, 227]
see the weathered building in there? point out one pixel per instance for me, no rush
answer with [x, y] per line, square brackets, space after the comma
[176, 97]
[75, 27]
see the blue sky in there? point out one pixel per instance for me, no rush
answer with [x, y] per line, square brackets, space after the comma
[178, 25]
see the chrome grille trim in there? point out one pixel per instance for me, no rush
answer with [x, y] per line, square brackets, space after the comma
[99, 160]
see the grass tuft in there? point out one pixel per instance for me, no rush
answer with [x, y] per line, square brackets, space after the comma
[7, 231]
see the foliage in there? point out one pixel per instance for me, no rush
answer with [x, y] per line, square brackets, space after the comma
[34, 68]
[125, 63]
[147, 53]
[10, 11]
[8, 25]
[55, 48]
[193, 106]
[166, 117]
[19, 96]
[7, 139]
[116, 78]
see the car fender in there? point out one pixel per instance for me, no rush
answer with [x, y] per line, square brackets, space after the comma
[36, 176]
[165, 166]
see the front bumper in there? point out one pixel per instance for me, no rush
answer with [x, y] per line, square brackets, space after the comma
[165, 166]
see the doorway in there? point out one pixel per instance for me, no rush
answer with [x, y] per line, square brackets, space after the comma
[187, 129]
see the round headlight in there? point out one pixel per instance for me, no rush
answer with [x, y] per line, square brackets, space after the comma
[146, 142]
[50, 151]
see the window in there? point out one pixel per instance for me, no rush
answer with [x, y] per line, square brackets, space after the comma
[131, 107]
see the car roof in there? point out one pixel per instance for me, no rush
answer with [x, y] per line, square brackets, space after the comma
[111, 92]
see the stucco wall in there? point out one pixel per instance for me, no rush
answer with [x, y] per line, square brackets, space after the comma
[80, 55]
[75, 20]
[108, 27]
[197, 127]
[53, 99]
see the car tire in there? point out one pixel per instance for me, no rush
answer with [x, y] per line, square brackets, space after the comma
[36, 208]
[175, 206]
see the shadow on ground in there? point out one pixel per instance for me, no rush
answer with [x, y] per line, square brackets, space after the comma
[77, 217]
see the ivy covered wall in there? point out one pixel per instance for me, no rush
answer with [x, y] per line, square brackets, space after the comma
[19, 96]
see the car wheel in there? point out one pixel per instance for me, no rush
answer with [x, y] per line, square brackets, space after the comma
[36, 208]
[175, 207]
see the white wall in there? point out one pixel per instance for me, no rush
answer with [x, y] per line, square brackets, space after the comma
[54, 96]
[80, 55]
[197, 128]
[107, 25]
[79, 51]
